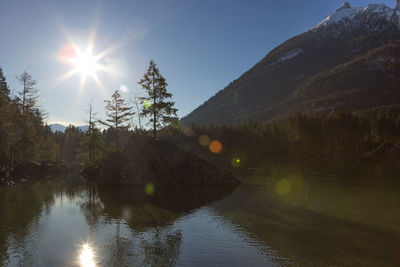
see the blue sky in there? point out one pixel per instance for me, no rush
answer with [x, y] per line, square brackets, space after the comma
[199, 45]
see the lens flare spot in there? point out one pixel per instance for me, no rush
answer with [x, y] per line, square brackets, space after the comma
[66, 52]
[236, 162]
[87, 256]
[149, 189]
[188, 131]
[215, 147]
[123, 88]
[147, 103]
[204, 140]
[283, 187]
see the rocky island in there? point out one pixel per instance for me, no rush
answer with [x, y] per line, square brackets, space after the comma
[147, 160]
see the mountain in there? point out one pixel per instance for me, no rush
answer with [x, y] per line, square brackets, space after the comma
[348, 61]
[83, 128]
[56, 127]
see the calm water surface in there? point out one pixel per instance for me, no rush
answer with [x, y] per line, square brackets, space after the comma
[275, 220]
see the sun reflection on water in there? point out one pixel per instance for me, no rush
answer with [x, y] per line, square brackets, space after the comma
[87, 256]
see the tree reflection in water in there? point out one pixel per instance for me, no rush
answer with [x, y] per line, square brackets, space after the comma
[143, 231]
[46, 223]
[157, 247]
[20, 209]
[316, 222]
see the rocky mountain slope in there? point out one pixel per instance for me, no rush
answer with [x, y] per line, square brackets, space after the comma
[348, 61]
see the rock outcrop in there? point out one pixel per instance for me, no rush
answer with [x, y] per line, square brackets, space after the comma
[158, 162]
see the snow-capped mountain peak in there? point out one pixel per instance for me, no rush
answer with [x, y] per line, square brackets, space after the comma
[345, 5]
[348, 15]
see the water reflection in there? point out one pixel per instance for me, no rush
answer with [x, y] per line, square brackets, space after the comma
[141, 211]
[87, 256]
[283, 220]
[143, 223]
[320, 222]
[137, 228]
[21, 208]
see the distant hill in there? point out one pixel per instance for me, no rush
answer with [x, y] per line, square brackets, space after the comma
[56, 127]
[83, 128]
[349, 61]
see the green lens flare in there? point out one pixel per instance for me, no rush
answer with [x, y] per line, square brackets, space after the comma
[236, 162]
[147, 103]
[149, 189]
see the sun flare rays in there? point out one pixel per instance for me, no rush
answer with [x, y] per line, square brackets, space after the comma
[85, 62]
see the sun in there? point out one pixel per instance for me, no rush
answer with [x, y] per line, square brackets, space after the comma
[85, 63]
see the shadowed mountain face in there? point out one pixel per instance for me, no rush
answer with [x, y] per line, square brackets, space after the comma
[338, 64]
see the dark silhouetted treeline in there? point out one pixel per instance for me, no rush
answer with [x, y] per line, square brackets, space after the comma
[23, 134]
[337, 135]
[24, 137]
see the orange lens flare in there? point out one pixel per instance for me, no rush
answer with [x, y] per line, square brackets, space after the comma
[215, 147]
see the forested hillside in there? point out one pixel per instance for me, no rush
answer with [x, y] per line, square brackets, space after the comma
[351, 63]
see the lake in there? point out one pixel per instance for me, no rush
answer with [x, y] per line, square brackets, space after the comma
[279, 219]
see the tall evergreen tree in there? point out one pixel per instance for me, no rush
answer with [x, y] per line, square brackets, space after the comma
[4, 90]
[136, 101]
[28, 145]
[160, 111]
[29, 93]
[90, 147]
[91, 133]
[118, 113]
[5, 120]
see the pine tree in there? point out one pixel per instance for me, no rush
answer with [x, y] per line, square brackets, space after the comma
[28, 145]
[160, 111]
[29, 92]
[136, 101]
[5, 120]
[91, 134]
[118, 113]
[4, 90]
[90, 147]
